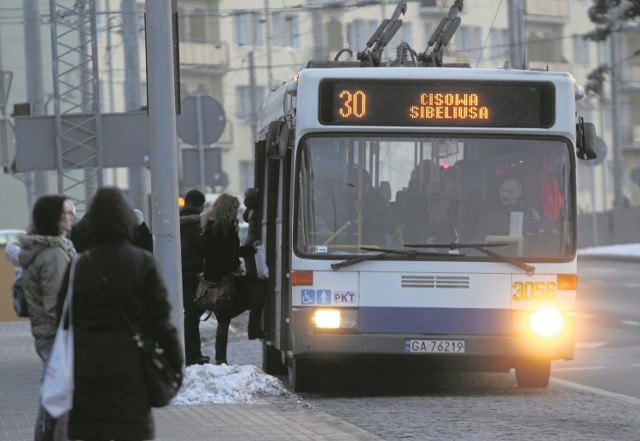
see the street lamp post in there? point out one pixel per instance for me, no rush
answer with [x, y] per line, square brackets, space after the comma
[617, 148]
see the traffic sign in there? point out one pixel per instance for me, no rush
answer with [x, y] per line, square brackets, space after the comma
[200, 111]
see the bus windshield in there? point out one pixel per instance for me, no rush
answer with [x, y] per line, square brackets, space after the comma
[360, 193]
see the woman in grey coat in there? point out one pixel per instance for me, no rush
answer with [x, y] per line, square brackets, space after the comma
[44, 256]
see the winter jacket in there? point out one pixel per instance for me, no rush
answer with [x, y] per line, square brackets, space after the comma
[110, 396]
[44, 260]
[222, 251]
[191, 241]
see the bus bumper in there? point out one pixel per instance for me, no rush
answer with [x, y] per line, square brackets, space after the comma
[309, 341]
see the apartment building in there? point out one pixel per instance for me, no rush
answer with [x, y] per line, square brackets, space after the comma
[236, 51]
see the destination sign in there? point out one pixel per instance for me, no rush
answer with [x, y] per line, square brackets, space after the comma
[436, 103]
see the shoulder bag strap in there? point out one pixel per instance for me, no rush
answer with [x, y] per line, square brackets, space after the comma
[107, 286]
[67, 306]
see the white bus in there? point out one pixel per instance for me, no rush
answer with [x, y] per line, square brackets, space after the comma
[421, 213]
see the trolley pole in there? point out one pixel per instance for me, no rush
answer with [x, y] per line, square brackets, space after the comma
[164, 152]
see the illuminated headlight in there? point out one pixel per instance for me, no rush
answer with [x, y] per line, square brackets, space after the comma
[546, 322]
[336, 318]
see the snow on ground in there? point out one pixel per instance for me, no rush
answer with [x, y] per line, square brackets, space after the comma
[241, 382]
[228, 384]
[630, 250]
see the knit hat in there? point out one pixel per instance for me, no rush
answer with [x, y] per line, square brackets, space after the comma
[194, 198]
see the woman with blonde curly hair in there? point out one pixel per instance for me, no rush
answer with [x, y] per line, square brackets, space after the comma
[222, 252]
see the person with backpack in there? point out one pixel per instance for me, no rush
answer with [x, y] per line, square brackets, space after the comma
[45, 253]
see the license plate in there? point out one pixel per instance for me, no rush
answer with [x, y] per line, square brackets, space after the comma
[436, 346]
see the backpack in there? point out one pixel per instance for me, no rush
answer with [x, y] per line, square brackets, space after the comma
[19, 296]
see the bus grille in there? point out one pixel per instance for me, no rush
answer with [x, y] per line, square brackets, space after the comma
[435, 282]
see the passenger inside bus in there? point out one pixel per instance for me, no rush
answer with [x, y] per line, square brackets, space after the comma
[508, 217]
[541, 188]
[379, 225]
[542, 192]
[422, 207]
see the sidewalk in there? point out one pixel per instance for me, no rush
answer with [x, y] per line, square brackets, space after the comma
[286, 420]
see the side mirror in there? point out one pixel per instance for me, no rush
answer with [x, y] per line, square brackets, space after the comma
[587, 141]
[277, 139]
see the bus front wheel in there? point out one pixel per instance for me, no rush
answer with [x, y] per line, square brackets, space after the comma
[533, 372]
[302, 377]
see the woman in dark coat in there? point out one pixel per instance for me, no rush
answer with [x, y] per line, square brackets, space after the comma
[222, 252]
[110, 399]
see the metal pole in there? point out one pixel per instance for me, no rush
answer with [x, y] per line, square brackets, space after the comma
[267, 22]
[615, 124]
[603, 114]
[164, 152]
[137, 175]
[112, 102]
[254, 103]
[35, 95]
[594, 213]
[516, 34]
[200, 128]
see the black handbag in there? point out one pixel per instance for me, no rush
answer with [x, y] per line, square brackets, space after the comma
[163, 382]
[215, 296]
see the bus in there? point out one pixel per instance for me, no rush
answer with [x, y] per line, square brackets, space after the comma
[420, 213]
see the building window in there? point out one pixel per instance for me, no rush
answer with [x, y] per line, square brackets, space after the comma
[499, 44]
[580, 50]
[470, 40]
[141, 22]
[243, 102]
[359, 32]
[198, 26]
[544, 46]
[285, 30]
[248, 29]
[246, 174]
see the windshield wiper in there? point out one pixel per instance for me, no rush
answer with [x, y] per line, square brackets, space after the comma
[383, 253]
[483, 248]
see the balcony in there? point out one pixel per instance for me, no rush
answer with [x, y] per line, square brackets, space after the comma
[547, 11]
[204, 55]
[434, 7]
[630, 76]
[548, 8]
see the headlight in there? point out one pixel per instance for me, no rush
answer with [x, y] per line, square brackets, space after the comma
[336, 318]
[546, 322]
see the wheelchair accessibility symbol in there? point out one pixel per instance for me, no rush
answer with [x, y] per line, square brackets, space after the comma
[308, 296]
[315, 297]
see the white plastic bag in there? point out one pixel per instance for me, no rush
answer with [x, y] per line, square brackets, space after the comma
[261, 262]
[56, 392]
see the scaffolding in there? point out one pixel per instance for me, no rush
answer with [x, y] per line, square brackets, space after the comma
[76, 93]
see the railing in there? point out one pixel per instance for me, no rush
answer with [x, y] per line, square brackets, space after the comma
[204, 54]
[549, 8]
